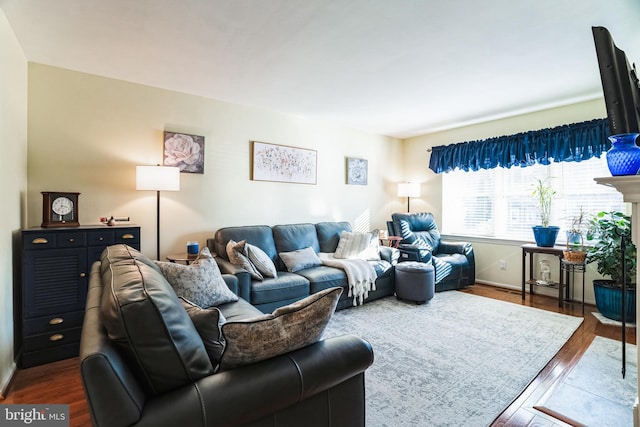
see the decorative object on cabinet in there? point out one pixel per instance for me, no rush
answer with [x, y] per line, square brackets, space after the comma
[59, 209]
[158, 178]
[357, 171]
[623, 158]
[55, 270]
[184, 151]
[408, 190]
[281, 163]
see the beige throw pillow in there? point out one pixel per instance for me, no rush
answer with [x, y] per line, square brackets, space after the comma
[237, 256]
[288, 328]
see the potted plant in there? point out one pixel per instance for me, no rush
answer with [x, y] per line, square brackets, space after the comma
[605, 233]
[543, 193]
[576, 229]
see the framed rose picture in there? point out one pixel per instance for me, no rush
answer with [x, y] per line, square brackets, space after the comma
[357, 171]
[272, 162]
[184, 151]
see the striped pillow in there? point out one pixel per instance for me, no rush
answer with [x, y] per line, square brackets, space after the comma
[358, 245]
[260, 260]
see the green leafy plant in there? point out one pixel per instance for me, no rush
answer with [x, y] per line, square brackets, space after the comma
[543, 193]
[605, 234]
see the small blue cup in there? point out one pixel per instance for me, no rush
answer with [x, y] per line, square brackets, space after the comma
[193, 248]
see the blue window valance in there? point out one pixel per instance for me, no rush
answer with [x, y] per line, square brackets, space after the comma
[568, 143]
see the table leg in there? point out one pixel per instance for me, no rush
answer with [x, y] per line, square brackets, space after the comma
[524, 255]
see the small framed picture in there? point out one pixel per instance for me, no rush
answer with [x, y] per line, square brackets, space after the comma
[184, 151]
[357, 171]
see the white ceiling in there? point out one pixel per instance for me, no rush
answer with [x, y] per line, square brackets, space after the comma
[391, 67]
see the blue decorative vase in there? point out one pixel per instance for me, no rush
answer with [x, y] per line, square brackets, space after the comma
[623, 158]
[609, 301]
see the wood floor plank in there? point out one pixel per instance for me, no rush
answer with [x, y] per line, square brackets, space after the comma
[60, 382]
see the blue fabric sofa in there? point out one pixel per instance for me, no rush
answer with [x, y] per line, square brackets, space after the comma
[271, 293]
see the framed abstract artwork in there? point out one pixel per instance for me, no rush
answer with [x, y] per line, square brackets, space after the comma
[184, 151]
[281, 163]
[357, 171]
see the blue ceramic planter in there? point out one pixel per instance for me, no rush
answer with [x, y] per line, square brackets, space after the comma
[609, 301]
[545, 236]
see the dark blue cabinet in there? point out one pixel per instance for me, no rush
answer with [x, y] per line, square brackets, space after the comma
[55, 276]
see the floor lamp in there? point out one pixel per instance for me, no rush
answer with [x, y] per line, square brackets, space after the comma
[408, 190]
[158, 178]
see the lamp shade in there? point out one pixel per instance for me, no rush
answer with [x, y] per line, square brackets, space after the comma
[158, 178]
[409, 189]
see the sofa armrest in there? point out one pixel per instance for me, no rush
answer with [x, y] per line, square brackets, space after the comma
[387, 253]
[244, 279]
[252, 392]
[414, 252]
[450, 248]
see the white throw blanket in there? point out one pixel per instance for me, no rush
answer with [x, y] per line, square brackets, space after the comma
[360, 274]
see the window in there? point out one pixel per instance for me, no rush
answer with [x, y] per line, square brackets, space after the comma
[497, 202]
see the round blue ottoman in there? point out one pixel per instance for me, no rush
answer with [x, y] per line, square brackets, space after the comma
[415, 281]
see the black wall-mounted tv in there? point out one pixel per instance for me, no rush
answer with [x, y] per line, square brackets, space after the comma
[619, 83]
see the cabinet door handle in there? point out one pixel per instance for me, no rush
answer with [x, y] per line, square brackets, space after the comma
[56, 337]
[56, 321]
[71, 240]
[101, 239]
[82, 274]
[127, 236]
[40, 241]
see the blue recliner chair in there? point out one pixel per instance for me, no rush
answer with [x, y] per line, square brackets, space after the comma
[454, 262]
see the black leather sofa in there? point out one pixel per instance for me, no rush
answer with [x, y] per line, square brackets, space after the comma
[271, 293]
[318, 385]
[454, 262]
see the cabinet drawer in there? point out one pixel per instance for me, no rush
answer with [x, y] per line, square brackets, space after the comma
[128, 236]
[72, 239]
[101, 238]
[53, 323]
[38, 241]
[48, 355]
[52, 339]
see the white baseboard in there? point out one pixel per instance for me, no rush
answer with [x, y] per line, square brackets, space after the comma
[4, 387]
[519, 289]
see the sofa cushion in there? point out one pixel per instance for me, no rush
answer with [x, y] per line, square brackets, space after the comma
[300, 259]
[200, 282]
[288, 328]
[258, 235]
[208, 322]
[286, 286]
[237, 256]
[329, 234]
[146, 321]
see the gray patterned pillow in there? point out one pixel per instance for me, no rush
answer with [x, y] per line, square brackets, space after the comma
[300, 259]
[288, 328]
[208, 322]
[260, 260]
[200, 282]
[237, 256]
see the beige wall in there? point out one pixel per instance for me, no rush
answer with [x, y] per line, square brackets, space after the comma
[87, 134]
[13, 182]
[488, 253]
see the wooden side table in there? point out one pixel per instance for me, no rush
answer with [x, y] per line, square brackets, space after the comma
[182, 257]
[532, 248]
[392, 241]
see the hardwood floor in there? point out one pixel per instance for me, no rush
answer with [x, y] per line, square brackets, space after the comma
[60, 382]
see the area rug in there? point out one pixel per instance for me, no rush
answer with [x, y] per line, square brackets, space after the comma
[594, 393]
[458, 360]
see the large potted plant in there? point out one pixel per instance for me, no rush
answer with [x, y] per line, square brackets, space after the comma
[543, 193]
[605, 233]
